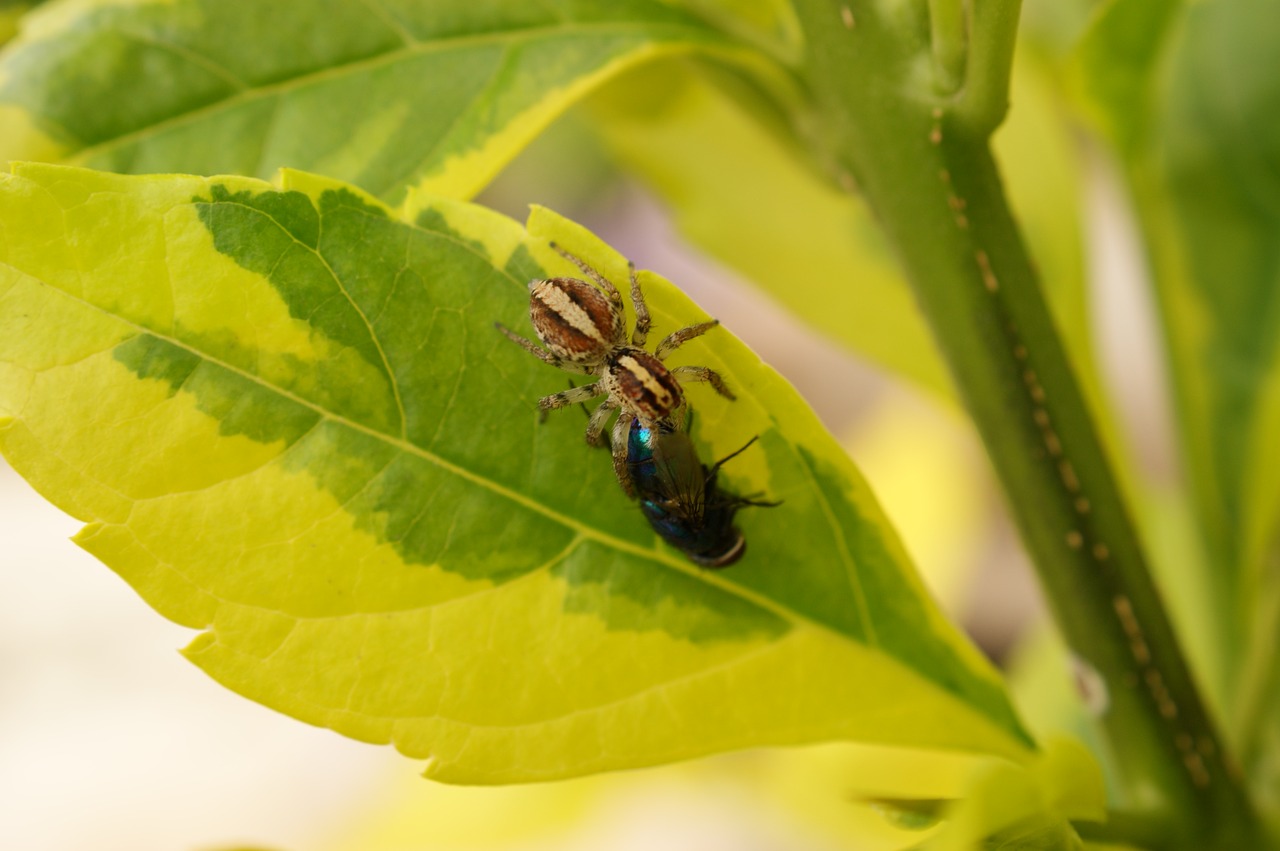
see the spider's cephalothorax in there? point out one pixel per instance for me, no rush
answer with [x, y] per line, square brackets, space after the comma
[584, 330]
[680, 497]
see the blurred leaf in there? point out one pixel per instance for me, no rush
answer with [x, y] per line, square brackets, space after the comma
[1118, 61]
[740, 190]
[288, 420]
[11, 13]
[1027, 806]
[385, 94]
[929, 473]
[748, 199]
[1189, 94]
[412, 814]
[770, 24]
[565, 168]
[801, 795]
[1055, 26]
[1061, 695]
[841, 788]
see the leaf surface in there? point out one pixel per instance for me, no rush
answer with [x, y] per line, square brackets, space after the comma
[382, 93]
[289, 423]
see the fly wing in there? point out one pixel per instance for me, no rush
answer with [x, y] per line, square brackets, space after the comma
[682, 474]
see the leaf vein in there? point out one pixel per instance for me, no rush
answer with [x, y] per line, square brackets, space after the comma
[186, 53]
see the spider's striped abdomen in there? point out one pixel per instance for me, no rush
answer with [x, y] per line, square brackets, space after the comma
[574, 320]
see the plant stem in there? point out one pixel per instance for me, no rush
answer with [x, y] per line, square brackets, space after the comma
[947, 36]
[924, 165]
[1126, 829]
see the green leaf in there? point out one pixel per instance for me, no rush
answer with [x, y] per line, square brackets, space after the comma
[288, 421]
[1187, 91]
[769, 24]
[383, 93]
[1118, 60]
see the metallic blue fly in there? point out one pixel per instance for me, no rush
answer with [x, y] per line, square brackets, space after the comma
[680, 497]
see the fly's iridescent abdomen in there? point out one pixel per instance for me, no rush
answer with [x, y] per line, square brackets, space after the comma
[680, 497]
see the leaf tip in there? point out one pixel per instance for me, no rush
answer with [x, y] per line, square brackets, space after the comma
[199, 645]
[87, 533]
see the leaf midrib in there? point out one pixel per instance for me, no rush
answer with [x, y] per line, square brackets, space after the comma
[405, 51]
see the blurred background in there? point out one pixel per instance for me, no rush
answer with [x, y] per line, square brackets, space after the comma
[111, 740]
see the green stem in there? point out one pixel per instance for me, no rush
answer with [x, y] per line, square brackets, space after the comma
[985, 98]
[925, 167]
[948, 37]
[1126, 829]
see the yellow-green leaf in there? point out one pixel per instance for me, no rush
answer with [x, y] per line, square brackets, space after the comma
[286, 417]
[383, 93]
[1028, 806]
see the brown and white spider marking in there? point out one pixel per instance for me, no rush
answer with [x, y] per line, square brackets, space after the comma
[584, 330]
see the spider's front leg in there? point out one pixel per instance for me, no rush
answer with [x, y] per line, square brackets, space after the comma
[565, 398]
[641, 332]
[701, 373]
[678, 338]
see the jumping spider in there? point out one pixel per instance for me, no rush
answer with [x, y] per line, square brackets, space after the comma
[584, 330]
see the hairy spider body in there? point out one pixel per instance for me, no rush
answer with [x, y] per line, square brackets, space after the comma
[680, 496]
[583, 330]
[644, 384]
[577, 324]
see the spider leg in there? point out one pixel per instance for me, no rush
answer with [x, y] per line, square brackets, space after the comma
[621, 431]
[595, 425]
[605, 284]
[530, 347]
[565, 398]
[641, 332]
[701, 373]
[678, 338]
